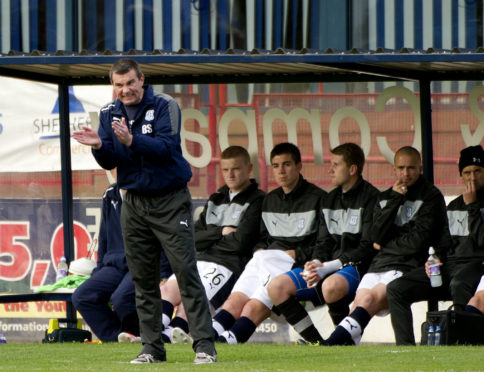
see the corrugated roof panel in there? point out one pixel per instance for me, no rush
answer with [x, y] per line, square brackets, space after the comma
[335, 65]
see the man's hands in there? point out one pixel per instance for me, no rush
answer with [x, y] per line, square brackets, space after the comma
[121, 132]
[400, 187]
[470, 194]
[226, 230]
[88, 137]
[427, 267]
[310, 274]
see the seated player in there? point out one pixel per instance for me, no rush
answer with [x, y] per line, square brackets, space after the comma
[408, 218]
[342, 253]
[288, 231]
[462, 265]
[225, 234]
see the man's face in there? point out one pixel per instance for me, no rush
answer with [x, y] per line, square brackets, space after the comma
[473, 173]
[128, 87]
[286, 171]
[407, 169]
[339, 171]
[236, 173]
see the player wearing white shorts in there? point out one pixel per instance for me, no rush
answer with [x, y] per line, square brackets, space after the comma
[288, 231]
[225, 234]
[408, 218]
[476, 303]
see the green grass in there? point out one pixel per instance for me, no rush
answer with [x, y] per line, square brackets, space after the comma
[248, 357]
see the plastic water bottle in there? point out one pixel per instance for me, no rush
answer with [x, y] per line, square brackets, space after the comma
[431, 336]
[437, 335]
[435, 277]
[3, 338]
[62, 269]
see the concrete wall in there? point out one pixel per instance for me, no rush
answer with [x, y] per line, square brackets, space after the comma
[379, 330]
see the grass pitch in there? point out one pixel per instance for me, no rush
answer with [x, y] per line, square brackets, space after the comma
[247, 357]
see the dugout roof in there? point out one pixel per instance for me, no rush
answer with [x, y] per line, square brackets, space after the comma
[232, 66]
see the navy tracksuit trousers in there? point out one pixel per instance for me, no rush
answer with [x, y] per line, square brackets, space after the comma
[106, 301]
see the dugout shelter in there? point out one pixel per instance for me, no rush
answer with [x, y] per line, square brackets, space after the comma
[234, 66]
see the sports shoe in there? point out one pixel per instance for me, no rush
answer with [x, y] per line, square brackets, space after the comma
[179, 336]
[204, 358]
[303, 342]
[125, 337]
[146, 358]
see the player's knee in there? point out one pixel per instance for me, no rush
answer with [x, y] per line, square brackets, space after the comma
[333, 290]
[279, 287]
[478, 301]
[331, 294]
[235, 303]
[170, 292]
[256, 311]
[365, 301]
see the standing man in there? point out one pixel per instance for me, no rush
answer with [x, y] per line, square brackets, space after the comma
[139, 133]
[408, 218]
[288, 232]
[343, 251]
[462, 268]
[225, 235]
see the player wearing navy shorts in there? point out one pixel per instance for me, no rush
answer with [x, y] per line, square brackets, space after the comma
[342, 253]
